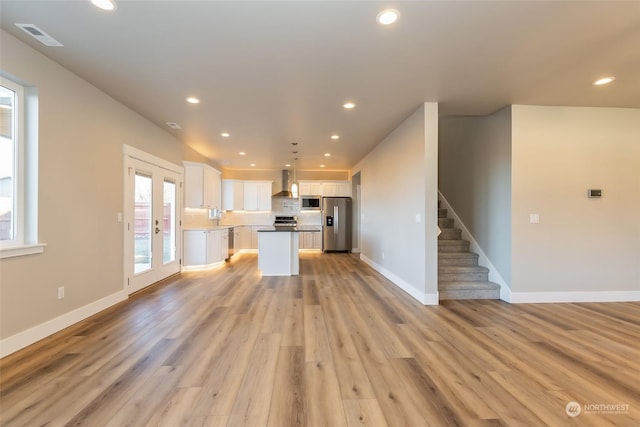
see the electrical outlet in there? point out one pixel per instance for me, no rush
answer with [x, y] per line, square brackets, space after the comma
[61, 292]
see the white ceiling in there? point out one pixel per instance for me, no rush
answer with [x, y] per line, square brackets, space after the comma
[271, 73]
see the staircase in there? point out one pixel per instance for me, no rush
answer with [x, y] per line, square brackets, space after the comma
[459, 275]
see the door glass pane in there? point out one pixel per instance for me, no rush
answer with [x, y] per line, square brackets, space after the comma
[169, 222]
[143, 223]
[7, 163]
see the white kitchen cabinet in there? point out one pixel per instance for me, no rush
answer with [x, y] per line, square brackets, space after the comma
[343, 189]
[238, 238]
[257, 196]
[264, 195]
[194, 248]
[202, 186]
[224, 244]
[325, 188]
[242, 237]
[310, 188]
[204, 248]
[310, 240]
[336, 189]
[232, 195]
[254, 234]
[213, 246]
[329, 189]
[250, 196]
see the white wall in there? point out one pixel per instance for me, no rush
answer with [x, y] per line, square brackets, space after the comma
[399, 184]
[499, 169]
[582, 249]
[81, 132]
[475, 178]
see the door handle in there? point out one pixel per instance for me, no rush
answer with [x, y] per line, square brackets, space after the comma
[157, 230]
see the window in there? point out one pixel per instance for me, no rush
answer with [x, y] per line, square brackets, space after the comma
[18, 170]
[9, 142]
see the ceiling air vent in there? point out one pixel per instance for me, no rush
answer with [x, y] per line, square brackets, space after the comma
[39, 35]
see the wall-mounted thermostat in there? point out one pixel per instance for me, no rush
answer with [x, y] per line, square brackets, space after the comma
[594, 193]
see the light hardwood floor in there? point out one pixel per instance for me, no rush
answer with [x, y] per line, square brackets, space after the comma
[337, 346]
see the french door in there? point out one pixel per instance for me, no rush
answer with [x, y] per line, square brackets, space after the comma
[153, 190]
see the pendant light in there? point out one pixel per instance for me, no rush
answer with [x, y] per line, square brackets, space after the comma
[294, 184]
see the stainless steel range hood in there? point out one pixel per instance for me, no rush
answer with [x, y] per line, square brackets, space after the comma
[285, 193]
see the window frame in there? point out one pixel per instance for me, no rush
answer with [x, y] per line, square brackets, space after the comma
[25, 185]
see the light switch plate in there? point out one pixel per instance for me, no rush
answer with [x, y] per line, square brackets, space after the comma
[534, 218]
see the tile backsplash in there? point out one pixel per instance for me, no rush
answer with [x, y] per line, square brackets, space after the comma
[197, 218]
[284, 206]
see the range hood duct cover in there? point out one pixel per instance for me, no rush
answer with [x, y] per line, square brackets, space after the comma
[285, 193]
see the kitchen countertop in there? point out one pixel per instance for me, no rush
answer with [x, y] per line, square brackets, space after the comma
[298, 229]
[204, 227]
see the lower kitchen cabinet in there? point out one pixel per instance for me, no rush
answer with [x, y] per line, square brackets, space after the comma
[243, 236]
[223, 244]
[310, 240]
[204, 248]
[254, 234]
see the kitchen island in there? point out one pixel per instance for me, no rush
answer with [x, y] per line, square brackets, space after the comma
[278, 249]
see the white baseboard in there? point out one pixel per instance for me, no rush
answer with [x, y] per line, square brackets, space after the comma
[423, 298]
[22, 339]
[559, 297]
[483, 259]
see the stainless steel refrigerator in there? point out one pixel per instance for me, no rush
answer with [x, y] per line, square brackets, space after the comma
[336, 224]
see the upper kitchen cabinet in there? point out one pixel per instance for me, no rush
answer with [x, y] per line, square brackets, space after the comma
[202, 186]
[310, 188]
[257, 195]
[232, 195]
[325, 188]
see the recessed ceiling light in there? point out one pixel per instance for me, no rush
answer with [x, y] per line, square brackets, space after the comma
[287, 165]
[242, 153]
[105, 4]
[193, 100]
[387, 16]
[225, 135]
[252, 165]
[173, 125]
[335, 136]
[604, 81]
[349, 105]
[327, 154]
[321, 166]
